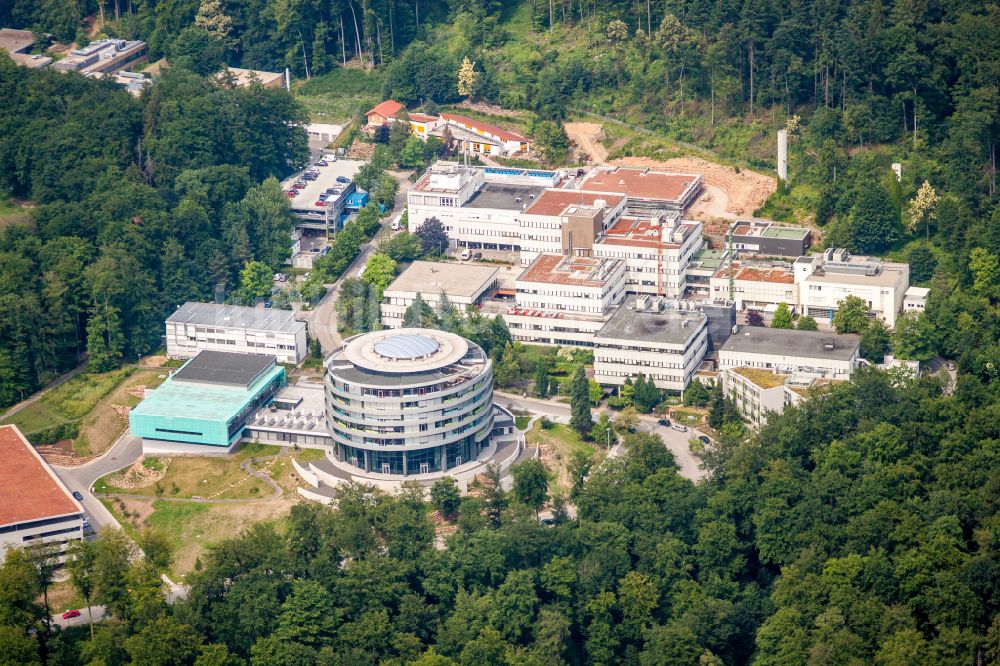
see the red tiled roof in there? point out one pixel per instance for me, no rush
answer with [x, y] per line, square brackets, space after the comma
[641, 232]
[421, 118]
[554, 202]
[640, 183]
[388, 109]
[29, 490]
[498, 132]
[559, 269]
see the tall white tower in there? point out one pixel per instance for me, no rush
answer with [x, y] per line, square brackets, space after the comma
[783, 155]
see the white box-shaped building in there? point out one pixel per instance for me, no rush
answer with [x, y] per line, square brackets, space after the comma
[463, 284]
[641, 337]
[824, 354]
[194, 327]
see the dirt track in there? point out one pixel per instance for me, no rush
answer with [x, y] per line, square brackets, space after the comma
[588, 137]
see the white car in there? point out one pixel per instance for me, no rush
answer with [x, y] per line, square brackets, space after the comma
[466, 254]
[679, 428]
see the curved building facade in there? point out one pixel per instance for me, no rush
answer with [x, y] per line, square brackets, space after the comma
[409, 401]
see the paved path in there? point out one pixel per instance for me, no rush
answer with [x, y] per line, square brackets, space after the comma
[323, 321]
[35, 396]
[676, 442]
[99, 613]
[125, 451]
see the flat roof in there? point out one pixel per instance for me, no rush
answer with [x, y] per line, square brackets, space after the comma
[887, 276]
[671, 327]
[644, 232]
[431, 277]
[244, 77]
[12, 40]
[200, 400]
[575, 271]
[226, 368]
[237, 316]
[774, 273]
[710, 259]
[308, 196]
[554, 202]
[641, 183]
[787, 342]
[29, 489]
[769, 229]
[495, 195]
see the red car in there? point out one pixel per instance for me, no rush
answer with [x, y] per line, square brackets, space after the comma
[71, 613]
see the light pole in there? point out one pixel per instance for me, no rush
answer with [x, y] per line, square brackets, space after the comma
[607, 431]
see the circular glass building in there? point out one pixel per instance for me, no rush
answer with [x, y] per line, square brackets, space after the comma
[409, 401]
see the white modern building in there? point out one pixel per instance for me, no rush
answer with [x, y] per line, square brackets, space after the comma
[463, 284]
[194, 327]
[823, 354]
[656, 250]
[35, 505]
[567, 221]
[824, 281]
[409, 401]
[758, 393]
[643, 336]
[915, 299]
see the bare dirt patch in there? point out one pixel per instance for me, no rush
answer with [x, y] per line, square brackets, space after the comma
[588, 137]
[361, 151]
[491, 109]
[153, 361]
[138, 475]
[729, 193]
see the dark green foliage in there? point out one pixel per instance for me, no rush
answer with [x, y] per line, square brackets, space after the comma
[874, 221]
[697, 394]
[542, 379]
[922, 264]
[874, 341]
[433, 236]
[358, 307]
[645, 395]
[531, 483]
[579, 396]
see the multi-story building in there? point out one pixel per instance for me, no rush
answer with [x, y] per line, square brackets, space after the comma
[758, 393]
[824, 281]
[657, 252]
[643, 336]
[35, 505]
[105, 56]
[195, 327]
[755, 284]
[205, 405]
[409, 401]
[768, 238]
[826, 355]
[463, 284]
[649, 191]
[564, 300]
[566, 221]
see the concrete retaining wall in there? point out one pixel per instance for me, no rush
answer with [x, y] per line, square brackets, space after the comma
[316, 497]
[306, 474]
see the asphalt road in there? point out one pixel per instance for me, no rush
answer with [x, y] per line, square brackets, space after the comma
[677, 442]
[83, 620]
[123, 453]
[323, 322]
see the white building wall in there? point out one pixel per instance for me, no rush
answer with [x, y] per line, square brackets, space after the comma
[669, 366]
[555, 297]
[643, 264]
[832, 368]
[753, 401]
[57, 531]
[754, 293]
[885, 301]
[186, 340]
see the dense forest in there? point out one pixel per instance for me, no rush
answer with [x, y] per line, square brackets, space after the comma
[859, 528]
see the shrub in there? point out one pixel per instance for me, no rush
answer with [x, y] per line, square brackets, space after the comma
[54, 434]
[546, 423]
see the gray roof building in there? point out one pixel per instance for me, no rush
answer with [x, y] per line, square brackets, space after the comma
[230, 316]
[194, 327]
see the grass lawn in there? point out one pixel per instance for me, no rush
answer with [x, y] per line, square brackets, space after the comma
[88, 399]
[337, 96]
[192, 527]
[687, 415]
[12, 212]
[207, 477]
[521, 422]
[558, 445]
[63, 596]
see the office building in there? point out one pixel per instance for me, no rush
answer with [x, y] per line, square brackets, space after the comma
[644, 336]
[758, 393]
[463, 284]
[409, 401]
[204, 406]
[195, 327]
[788, 351]
[657, 251]
[105, 56]
[35, 505]
[649, 191]
[770, 239]
[825, 280]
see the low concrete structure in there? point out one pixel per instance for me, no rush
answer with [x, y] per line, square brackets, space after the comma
[769, 238]
[463, 284]
[105, 56]
[195, 327]
[18, 45]
[826, 355]
[915, 299]
[244, 78]
[35, 505]
[759, 393]
[642, 336]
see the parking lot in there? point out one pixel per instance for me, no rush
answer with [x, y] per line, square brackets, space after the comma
[306, 198]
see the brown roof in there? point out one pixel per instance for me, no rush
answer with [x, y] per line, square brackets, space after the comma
[499, 132]
[554, 202]
[558, 269]
[29, 489]
[640, 183]
[421, 118]
[777, 275]
[641, 232]
[386, 109]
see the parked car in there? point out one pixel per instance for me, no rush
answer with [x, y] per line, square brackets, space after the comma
[466, 254]
[663, 422]
[319, 202]
[343, 179]
[477, 255]
[71, 613]
[679, 428]
[267, 304]
[77, 495]
[705, 439]
[320, 163]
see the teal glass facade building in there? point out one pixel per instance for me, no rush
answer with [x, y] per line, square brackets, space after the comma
[209, 400]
